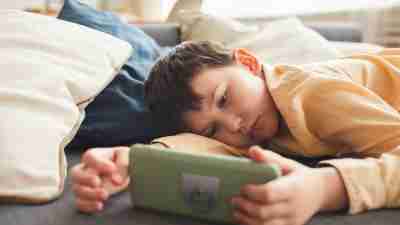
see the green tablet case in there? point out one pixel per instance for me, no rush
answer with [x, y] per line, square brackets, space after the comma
[196, 185]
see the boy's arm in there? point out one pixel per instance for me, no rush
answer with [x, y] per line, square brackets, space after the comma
[363, 122]
[370, 183]
[349, 107]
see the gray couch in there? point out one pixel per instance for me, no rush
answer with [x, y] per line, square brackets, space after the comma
[119, 210]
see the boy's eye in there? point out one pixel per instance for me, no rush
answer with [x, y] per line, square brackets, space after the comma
[222, 100]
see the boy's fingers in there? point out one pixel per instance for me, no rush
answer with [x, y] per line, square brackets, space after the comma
[122, 156]
[261, 211]
[261, 155]
[99, 160]
[113, 188]
[266, 193]
[88, 206]
[243, 219]
[86, 177]
[265, 156]
[93, 194]
[121, 160]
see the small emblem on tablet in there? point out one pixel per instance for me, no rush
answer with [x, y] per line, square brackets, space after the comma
[200, 192]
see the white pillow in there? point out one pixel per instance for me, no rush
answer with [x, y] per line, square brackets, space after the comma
[350, 48]
[51, 70]
[183, 5]
[279, 41]
[288, 41]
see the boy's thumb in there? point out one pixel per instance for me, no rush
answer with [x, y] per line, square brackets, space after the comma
[256, 154]
[100, 163]
[121, 156]
[121, 160]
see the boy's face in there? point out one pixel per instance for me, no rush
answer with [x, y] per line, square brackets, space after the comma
[237, 108]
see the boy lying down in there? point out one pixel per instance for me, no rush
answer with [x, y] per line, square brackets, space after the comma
[347, 108]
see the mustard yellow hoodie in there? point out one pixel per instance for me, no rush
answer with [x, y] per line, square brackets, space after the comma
[349, 108]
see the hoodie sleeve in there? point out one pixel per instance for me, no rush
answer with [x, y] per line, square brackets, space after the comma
[366, 123]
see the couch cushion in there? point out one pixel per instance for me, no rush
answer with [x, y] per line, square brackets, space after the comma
[349, 48]
[48, 77]
[164, 34]
[288, 41]
[280, 41]
[118, 116]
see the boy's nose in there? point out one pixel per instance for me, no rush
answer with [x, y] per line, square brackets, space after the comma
[234, 124]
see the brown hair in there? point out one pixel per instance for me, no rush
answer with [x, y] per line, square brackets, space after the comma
[168, 92]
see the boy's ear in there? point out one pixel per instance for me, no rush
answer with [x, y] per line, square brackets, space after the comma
[244, 57]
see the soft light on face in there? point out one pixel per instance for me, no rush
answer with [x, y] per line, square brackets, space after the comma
[237, 108]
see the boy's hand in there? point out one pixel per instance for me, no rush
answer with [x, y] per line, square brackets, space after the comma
[291, 199]
[101, 173]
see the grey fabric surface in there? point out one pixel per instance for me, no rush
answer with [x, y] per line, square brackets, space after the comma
[119, 211]
[335, 31]
[164, 34]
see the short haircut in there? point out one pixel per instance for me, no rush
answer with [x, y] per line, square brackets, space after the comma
[168, 91]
